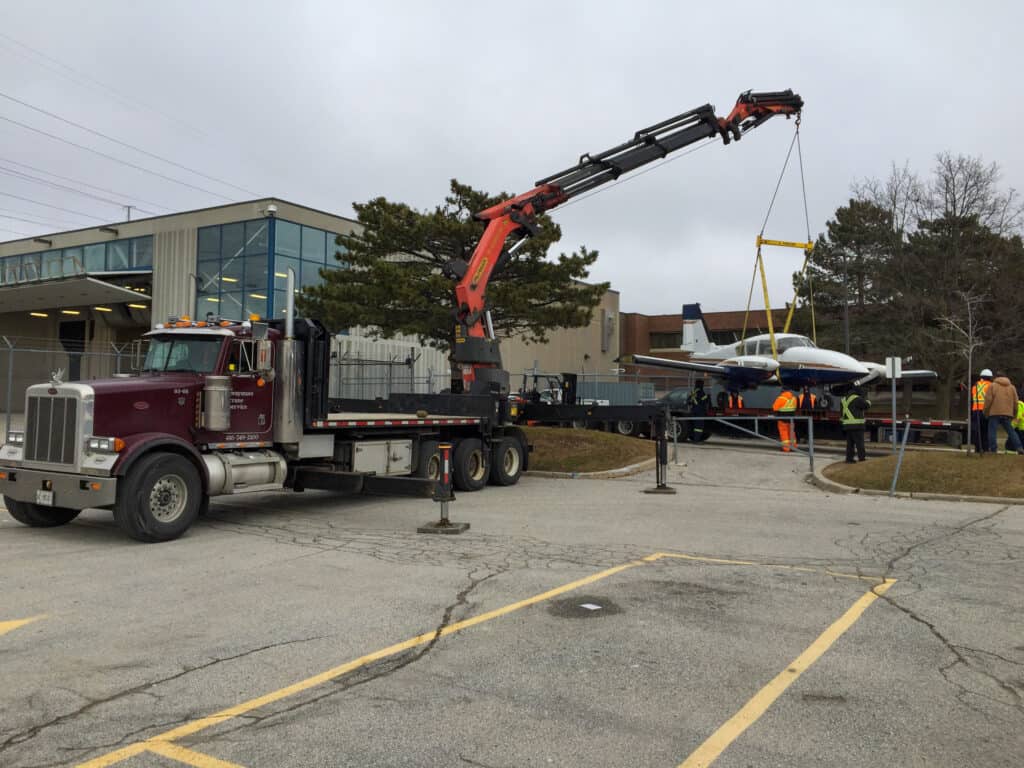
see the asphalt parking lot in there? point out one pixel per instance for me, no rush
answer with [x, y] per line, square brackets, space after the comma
[748, 620]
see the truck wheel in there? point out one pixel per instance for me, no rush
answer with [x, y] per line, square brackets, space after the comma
[676, 430]
[159, 498]
[428, 464]
[37, 516]
[506, 461]
[471, 465]
[627, 428]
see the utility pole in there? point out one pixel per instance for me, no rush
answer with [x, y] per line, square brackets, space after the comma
[128, 211]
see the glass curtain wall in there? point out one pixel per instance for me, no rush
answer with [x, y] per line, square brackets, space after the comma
[242, 267]
[132, 255]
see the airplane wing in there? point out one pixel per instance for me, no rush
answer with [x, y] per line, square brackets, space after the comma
[677, 365]
[877, 372]
[738, 372]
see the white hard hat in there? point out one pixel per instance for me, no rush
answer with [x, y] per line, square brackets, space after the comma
[986, 372]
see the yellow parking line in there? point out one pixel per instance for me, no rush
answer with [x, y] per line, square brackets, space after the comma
[239, 709]
[803, 568]
[709, 751]
[8, 626]
[162, 741]
[187, 756]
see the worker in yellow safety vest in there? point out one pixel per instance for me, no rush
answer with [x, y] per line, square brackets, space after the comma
[979, 424]
[1017, 424]
[785, 405]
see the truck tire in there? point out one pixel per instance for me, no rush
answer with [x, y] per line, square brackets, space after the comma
[159, 499]
[627, 428]
[428, 463]
[506, 461]
[677, 430]
[471, 465]
[38, 516]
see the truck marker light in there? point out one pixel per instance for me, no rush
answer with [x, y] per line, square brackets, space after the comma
[261, 382]
[3, 475]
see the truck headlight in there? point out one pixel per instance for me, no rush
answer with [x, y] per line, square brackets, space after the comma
[105, 444]
[15, 438]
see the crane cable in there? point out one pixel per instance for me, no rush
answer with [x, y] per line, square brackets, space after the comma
[759, 260]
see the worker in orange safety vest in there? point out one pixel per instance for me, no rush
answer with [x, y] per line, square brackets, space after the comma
[979, 425]
[785, 405]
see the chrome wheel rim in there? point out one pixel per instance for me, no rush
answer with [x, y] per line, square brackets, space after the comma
[510, 461]
[625, 427]
[168, 498]
[477, 466]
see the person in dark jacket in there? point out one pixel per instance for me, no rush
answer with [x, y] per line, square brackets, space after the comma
[700, 405]
[852, 407]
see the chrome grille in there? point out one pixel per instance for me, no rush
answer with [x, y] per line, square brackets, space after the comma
[51, 425]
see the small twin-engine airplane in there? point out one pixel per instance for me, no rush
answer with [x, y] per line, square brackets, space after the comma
[749, 363]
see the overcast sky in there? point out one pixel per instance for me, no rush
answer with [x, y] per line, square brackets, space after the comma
[328, 103]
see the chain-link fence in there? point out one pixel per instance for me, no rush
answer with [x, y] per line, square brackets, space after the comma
[25, 361]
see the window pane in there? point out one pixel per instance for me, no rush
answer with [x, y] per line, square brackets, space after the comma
[311, 274]
[51, 265]
[255, 238]
[314, 244]
[117, 255]
[73, 261]
[281, 265]
[209, 243]
[286, 238]
[209, 277]
[232, 240]
[10, 270]
[232, 305]
[256, 303]
[95, 257]
[31, 266]
[280, 302]
[142, 252]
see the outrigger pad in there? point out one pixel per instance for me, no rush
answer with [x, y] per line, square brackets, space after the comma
[439, 527]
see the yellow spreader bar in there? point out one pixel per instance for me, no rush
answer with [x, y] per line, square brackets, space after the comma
[784, 244]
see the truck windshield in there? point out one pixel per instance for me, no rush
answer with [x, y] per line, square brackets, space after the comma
[182, 353]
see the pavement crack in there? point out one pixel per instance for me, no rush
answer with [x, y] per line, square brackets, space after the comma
[371, 672]
[143, 688]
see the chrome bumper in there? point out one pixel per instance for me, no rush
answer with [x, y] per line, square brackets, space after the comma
[68, 491]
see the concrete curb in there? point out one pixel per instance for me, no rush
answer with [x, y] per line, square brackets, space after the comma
[822, 482]
[632, 469]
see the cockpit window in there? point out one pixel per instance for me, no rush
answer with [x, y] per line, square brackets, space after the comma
[793, 342]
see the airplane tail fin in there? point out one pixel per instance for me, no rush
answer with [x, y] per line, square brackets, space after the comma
[695, 330]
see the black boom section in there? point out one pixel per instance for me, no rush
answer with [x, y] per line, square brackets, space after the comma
[648, 145]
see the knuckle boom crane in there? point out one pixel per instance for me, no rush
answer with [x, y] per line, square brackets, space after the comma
[475, 349]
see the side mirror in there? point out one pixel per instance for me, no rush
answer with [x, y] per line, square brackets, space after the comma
[264, 356]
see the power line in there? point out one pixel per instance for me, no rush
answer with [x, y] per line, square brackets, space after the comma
[31, 221]
[55, 207]
[84, 183]
[125, 144]
[15, 231]
[81, 78]
[115, 159]
[43, 220]
[54, 185]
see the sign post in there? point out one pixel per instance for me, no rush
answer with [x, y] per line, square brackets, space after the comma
[894, 370]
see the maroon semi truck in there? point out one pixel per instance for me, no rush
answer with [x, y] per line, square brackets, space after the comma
[226, 407]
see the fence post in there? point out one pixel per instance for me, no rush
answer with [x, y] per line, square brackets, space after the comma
[10, 386]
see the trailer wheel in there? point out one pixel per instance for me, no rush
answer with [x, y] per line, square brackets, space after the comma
[506, 461]
[38, 516]
[471, 465]
[159, 499]
[428, 464]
